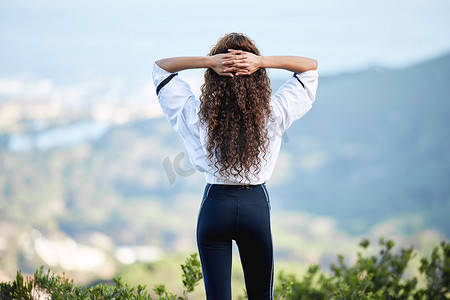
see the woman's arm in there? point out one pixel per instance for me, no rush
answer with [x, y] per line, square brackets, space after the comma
[245, 63]
[176, 64]
[215, 62]
[295, 64]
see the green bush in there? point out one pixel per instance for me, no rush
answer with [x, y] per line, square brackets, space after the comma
[373, 277]
[56, 287]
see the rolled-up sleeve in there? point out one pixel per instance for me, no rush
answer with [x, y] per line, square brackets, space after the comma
[177, 101]
[294, 98]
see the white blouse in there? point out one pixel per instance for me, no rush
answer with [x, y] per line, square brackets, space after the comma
[292, 101]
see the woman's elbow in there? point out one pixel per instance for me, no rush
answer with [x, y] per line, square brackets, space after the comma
[160, 63]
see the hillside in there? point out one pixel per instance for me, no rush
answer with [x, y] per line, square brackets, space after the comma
[375, 146]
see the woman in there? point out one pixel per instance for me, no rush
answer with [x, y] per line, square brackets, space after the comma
[233, 135]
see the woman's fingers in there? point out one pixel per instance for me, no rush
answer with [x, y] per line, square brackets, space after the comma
[244, 72]
[229, 70]
[235, 58]
[236, 62]
[235, 54]
[237, 67]
[235, 51]
[229, 55]
[232, 70]
[230, 62]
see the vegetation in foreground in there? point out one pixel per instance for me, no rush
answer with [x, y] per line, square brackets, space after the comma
[380, 276]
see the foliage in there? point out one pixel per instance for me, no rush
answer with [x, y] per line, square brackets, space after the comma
[56, 287]
[191, 277]
[437, 271]
[371, 277]
[191, 273]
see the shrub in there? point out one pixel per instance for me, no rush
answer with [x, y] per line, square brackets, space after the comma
[372, 277]
[56, 287]
[378, 276]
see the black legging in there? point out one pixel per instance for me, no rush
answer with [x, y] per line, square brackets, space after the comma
[240, 213]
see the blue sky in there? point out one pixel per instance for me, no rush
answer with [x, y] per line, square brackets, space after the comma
[58, 39]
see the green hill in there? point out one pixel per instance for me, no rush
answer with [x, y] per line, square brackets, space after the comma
[375, 145]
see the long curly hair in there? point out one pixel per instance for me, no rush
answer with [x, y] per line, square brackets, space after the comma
[235, 111]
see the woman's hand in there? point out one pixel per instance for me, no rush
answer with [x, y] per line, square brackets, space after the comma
[236, 62]
[242, 63]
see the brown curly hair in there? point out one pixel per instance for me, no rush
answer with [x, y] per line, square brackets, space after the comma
[235, 111]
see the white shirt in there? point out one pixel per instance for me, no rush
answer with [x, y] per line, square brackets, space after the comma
[291, 102]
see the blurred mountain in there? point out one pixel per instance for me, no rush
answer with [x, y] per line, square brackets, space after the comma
[375, 145]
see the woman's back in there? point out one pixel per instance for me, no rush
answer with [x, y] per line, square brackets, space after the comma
[233, 134]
